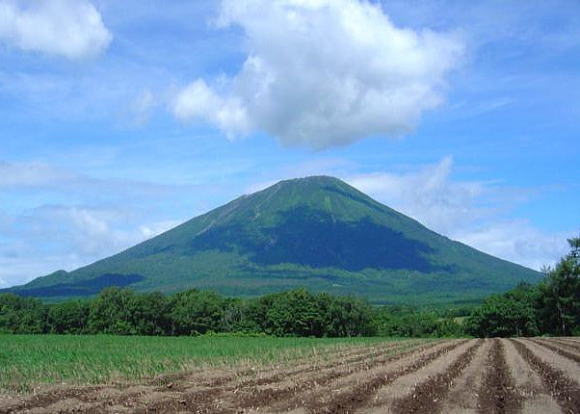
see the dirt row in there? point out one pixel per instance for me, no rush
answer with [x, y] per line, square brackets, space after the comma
[445, 376]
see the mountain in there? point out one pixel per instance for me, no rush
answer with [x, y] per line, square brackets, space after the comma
[315, 232]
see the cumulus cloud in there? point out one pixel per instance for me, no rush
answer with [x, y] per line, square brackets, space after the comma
[70, 28]
[322, 73]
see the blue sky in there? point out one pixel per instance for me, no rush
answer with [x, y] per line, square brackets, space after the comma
[119, 120]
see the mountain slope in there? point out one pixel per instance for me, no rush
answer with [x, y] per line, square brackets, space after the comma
[316, 232]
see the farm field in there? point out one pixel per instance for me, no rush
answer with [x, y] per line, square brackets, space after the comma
[532, 375]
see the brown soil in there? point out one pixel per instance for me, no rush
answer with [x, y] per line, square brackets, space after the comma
[567, 344]
[316, 392]
[498, 394]
[559, 349]
[362, 393]
[563, 389]
[464, 394]
[429, 395]
[536, 398]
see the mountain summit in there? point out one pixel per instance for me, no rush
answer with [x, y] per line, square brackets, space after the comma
[315, 232]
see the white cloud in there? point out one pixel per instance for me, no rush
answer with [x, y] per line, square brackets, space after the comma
[199, 101]
[70, 28]
[322, 73]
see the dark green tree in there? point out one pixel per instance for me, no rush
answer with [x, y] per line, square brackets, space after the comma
[68, 317]
[510, 314]
[195, 312]
[559, 301]
[112, 312]
[22, 315]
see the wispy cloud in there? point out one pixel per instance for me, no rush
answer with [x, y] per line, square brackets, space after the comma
[40, 175]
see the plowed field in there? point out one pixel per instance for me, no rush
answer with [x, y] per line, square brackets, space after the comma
[445, 376]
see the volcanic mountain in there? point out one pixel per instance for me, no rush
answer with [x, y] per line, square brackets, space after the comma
[315, 232]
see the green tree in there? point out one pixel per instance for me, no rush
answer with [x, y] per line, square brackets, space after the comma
[22, 315]
[112, 312]
[510, 314]
[293, 313]
[195, 312]
[559, 301]
[68, 317]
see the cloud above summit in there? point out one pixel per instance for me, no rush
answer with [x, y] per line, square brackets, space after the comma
[322, 73]
[72, 29]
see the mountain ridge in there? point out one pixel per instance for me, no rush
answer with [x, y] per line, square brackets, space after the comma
[316, 232]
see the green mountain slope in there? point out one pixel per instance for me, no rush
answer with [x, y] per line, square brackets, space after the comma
[315, 232]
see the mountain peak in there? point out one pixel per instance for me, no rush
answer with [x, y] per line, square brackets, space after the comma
[311, 182]
[314, 180]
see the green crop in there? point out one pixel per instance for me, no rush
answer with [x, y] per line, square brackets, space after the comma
[27, 361]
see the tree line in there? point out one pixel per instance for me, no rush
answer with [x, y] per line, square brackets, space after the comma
[551, 307]
[291, 313]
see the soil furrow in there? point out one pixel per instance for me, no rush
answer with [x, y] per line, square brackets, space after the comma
[285, 375]
[427, 396]
[569, 368]
[564, 390]
[536, 398]
[464, 395]
[386, 397]
[498, 394]
[360, 393]
[360, 352]
[557, 349]
[568, 345]
[260, 395]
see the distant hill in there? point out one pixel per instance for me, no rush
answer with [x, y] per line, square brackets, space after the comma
[315, 232]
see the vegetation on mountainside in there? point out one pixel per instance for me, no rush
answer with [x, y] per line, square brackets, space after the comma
[552, 307]
[318, 233]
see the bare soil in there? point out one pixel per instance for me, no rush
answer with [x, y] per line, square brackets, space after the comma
[563, 389]
[498, 393]
[445, 376]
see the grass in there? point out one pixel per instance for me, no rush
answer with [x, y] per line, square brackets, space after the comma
[29, 361]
